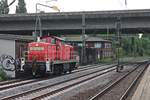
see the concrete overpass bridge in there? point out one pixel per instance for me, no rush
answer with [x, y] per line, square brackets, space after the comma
[132, 21]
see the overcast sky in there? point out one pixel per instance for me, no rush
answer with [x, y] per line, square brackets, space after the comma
[83, 5]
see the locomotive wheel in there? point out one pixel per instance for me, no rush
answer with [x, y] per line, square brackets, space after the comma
[58, 69]
[39, 71]
[27, 71]
[70, 71]
[65, 72]
[71, 66]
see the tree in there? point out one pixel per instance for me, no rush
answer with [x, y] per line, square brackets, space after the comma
[21, 8]
[133, 46]
[4, 9]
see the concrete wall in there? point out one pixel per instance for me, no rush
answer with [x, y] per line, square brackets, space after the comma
[7, 47]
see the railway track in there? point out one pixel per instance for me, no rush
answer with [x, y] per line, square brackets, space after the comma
[18, 82]
[43, 91]
[126, 93]
[49, 94]
[16, 95]
[9, 81]
[109, 92]
[90, 67]
[82, 68]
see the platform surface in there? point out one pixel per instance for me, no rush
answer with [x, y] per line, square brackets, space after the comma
[143, 90]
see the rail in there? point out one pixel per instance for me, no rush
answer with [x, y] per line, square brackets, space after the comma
[113, 84]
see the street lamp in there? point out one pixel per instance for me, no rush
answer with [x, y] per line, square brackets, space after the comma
[38, 20]
[140, 35]
[53, 7]
[50, 1]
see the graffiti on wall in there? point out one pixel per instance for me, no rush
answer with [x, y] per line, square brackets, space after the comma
[7, 62]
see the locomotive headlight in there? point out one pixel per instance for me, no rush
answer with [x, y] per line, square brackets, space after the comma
[36, 44]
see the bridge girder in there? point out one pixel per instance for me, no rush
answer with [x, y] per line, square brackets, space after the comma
[132, 21]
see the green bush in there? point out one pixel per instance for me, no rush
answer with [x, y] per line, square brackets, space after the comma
[133, 46]
[0, 79]
[2, 75]
[106, 60]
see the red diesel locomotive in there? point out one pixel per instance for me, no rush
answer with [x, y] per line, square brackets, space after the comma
[50, 55]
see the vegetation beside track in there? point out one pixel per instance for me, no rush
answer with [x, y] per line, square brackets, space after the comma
[129, 48]
[133, 46]
[2, 75]
[123, 59]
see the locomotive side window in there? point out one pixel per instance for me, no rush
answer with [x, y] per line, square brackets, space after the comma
[36, 48]
[53, 41]
[62, 42]
[44, 40]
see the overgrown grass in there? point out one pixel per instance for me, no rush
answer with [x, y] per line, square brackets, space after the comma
[133, 58]
[124, 59]
[2, 75]
[106, 60]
